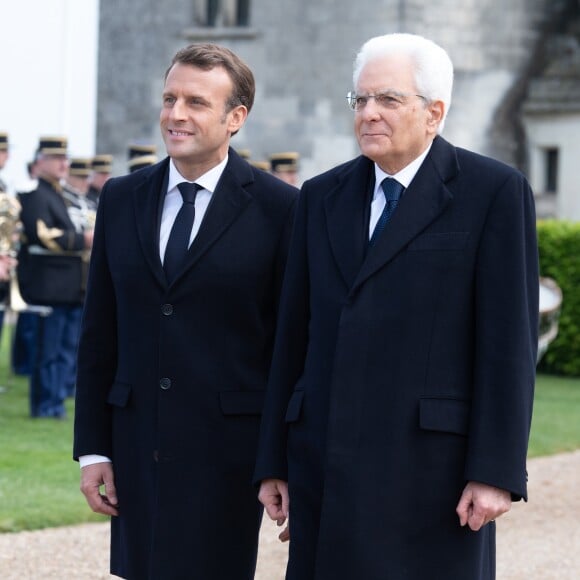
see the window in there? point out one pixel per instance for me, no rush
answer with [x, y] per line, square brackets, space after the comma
[551, 170]
[222, 13]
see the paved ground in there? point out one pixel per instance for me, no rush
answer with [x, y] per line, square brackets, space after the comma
[539, 540]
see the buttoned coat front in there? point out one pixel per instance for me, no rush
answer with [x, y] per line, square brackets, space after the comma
[404, 370]
[171, 377]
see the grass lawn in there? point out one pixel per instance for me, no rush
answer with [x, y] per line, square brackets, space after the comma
[39, 482]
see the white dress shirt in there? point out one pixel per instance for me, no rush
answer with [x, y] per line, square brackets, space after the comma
[171, 206]
[404, 177]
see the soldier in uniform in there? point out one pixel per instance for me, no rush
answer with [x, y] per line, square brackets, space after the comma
[285, 166]
[102, 167]
[6, 261]
[82, 211]
[141, 156]
[263, 165]
[3, 158]
[50, 274]
[25, 334]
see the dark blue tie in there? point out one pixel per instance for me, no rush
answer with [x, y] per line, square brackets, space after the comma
[178, 242]
[392, 190]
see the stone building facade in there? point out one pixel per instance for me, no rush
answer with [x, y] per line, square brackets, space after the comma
[301, 53]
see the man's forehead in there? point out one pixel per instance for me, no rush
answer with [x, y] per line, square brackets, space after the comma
[388, 72]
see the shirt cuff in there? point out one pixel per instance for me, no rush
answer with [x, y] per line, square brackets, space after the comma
[85, 460]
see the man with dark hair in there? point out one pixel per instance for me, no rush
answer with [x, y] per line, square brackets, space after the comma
[177, 335]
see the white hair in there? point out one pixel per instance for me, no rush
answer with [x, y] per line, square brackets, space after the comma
[433, 67]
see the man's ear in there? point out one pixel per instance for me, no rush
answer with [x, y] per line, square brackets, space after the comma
[436, 112]
[237, 118]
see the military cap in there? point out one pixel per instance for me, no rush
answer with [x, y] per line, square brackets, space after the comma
[284, 161]
[102, 163]
[265, 165]
[142, 161]
[139, 150]
[52, 146]
[80, 167]
[3, 141]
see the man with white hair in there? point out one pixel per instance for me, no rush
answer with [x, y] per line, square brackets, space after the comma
[399, 403]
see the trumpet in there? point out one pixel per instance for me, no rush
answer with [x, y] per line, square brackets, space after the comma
[10, 228]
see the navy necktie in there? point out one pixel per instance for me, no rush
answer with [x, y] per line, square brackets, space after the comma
[392, 190]
[178, 242]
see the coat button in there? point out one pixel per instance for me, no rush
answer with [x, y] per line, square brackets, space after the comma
[167, 309]
[165, 383]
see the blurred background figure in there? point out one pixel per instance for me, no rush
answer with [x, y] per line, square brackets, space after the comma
[141, 156]
[102, 167]
[9, 209]
[285, 166]
[245, 154]
[3, 158]
[24, 342]
[50, 274]
[263, 165]
[82, 212]
[77, 179]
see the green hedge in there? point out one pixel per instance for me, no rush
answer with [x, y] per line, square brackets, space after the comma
[559, 246]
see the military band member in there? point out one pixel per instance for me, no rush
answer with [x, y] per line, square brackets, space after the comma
[102, 168]
[141, 156]
[50, 274]
[4, 265]
[82, 211]
[3, 158]
[285, 166]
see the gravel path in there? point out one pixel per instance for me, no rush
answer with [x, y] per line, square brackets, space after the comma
[536, 541]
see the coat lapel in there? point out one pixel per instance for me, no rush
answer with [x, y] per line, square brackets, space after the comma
[147, 201]
[345, 208]
[424, 200]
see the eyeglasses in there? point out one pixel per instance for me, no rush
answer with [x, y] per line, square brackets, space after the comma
[386, 100]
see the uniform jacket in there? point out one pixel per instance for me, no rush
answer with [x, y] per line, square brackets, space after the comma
[403, 371]
[171, 377]
[49, 262]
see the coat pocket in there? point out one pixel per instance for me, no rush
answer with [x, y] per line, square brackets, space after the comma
[446, 415]
[446, 241]
[241, 402]
[119, 394]
[294, 407]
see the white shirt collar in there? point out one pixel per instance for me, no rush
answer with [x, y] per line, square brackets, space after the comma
[405, 176]
[208, 180]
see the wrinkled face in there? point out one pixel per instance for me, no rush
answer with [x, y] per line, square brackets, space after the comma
[194, 123]
[52, 167]
[397, 127]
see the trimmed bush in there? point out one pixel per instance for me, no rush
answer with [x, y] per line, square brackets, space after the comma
[559, 246]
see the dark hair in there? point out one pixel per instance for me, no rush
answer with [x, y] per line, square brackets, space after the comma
[208, 56]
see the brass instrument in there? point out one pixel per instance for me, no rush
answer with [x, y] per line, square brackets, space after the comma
[10, 227]
[550, 307]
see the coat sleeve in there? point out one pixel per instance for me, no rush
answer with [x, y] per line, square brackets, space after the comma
[97, 353]
[289, 353]
[506, 340]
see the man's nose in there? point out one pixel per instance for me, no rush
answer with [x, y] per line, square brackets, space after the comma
[178, 109]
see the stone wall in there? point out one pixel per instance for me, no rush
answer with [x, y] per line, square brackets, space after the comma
[302, 52]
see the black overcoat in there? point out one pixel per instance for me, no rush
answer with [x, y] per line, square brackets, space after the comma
[403, 371]
[171, 378]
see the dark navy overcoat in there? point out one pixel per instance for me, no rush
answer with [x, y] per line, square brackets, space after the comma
[171, 378]
[403, 371]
